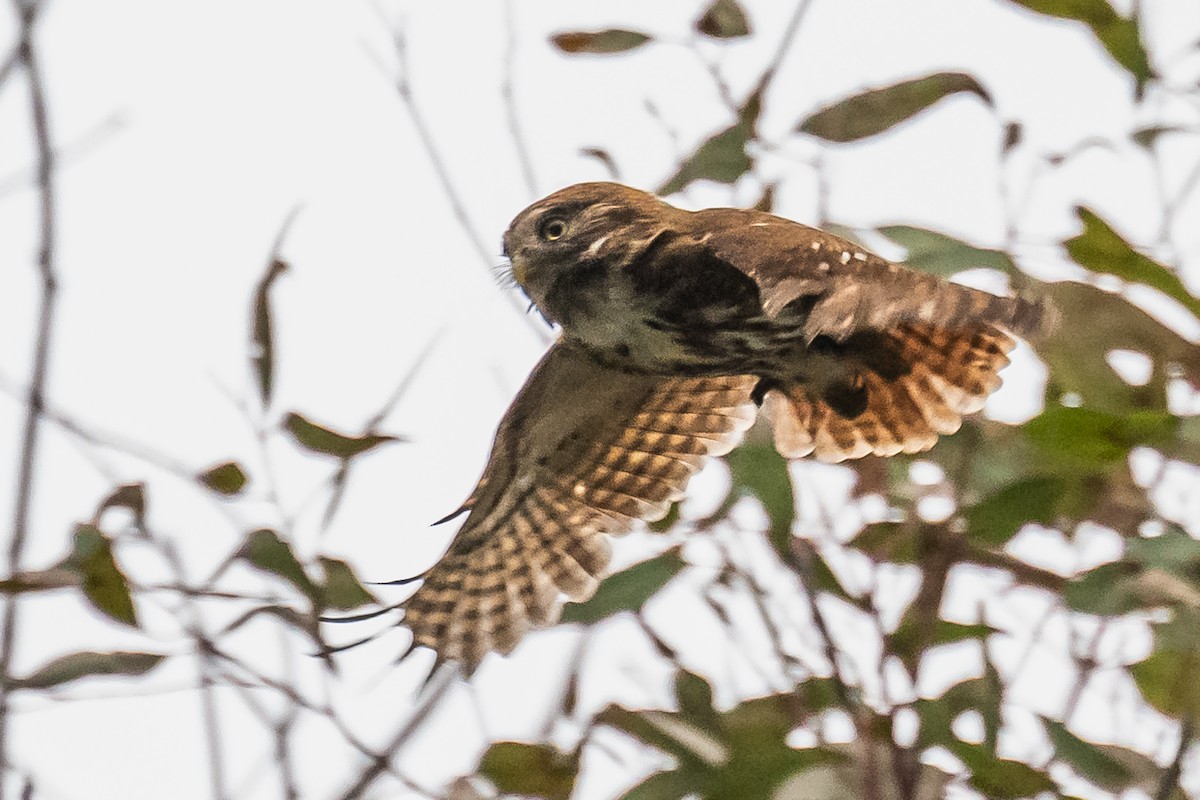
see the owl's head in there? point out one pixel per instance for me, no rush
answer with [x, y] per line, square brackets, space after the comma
[585, 226]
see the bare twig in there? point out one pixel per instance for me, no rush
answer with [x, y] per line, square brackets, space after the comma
[510, 104]
[439, 685]
[26, 12]
[714, 72]
[65, 153]
[100, 438]
[1087, 667]
[1170, 778]
[786, 41]
[9, 64]
[14, 57]
[212, 725]
[341, 476]
[434, 157]
[803, 553]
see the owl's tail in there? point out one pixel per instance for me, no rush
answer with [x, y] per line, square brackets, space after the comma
[933, 377]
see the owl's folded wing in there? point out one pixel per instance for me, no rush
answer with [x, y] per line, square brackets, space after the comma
[852, 289]
[905, 354]
[583, 451]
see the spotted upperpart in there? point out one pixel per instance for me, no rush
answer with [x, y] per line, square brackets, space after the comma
[648, 287]
[676, 327]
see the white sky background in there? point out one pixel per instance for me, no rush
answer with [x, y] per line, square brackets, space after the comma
[190, 130]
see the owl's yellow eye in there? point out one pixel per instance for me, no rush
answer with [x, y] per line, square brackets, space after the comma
[552, 229]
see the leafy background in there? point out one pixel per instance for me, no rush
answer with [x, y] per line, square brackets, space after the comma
[1013, 614]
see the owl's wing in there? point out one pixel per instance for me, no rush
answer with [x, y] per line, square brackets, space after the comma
[850, 288]
[907, 354]
[582, 452]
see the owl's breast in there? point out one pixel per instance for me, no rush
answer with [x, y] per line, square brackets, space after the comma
[622, 327]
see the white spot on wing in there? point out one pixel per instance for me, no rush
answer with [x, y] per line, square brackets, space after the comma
[815, 245]
[861, 256]
[845, 257]
[596, 245]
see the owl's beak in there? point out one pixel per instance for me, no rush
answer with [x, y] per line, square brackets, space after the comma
[519, 272]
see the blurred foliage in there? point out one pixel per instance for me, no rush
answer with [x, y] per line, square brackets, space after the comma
[878, 110]
[1066, 470]
[1067, 467]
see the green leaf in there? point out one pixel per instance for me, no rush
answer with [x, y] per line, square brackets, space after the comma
[1078, 363]
[342, 589]
[319, 439]
[907, 636]
[759, 471]
[1103, 590]
[264, 549]
[227, 478]
[1147, 137]
[943, 255]
[888, 541]
[998, 778]
[997, 518]
[695, 747]
[103, 583]
[877, 110]
[534, 770]
[1174, 551]
[1167, 680]
[694, 696]
[1089, 760]
[627, 590]
[936, 714]
[305, 623]
[605, 158]
[724, 19]
[131, 496]
[722, 157]
[1119, 36]
[1087, 437]
[262, 338]
[673, 785]
[81, 665]
[1101, 249]
[740, 753]
[612, 40]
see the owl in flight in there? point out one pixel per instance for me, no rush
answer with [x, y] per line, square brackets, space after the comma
[677, 326]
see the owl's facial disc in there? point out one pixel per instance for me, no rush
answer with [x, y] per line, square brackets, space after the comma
[577, 231]
[542, 242]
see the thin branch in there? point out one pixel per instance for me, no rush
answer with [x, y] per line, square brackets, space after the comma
[510, 105]
[1087, 667]
[803, 553]
[101, 438]
[434, 158]
[440, 684]
[212, 725]
[9, 63]
[66, 153]
[27, 460]
[724, 92]
[341, 476]
[785, 43]
[15, 56]
[1170, 779]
